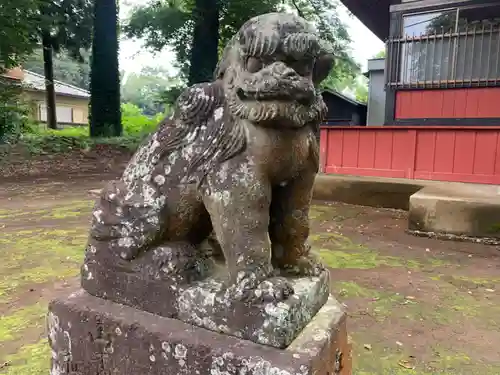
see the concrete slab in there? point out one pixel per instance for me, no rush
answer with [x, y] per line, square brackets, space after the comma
[448, 210]
[460, 210]
[366, 191]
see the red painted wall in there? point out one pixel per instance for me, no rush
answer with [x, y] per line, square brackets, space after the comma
[448, 103]
[463, 154]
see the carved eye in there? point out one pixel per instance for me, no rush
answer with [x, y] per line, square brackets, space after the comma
[254, 64]
[302, 67]
[322, 68]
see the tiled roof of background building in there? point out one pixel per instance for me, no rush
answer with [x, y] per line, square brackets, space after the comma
[36, 82]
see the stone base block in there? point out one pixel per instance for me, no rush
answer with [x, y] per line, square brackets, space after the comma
[365, 191]
[203, 303]
[456, 210]
[90, 335]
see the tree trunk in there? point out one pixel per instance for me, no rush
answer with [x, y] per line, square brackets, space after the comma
[50, 93]
[105, 114]
[204, 52]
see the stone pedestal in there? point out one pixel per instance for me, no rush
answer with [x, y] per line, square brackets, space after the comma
[94, 336]
[204, 303]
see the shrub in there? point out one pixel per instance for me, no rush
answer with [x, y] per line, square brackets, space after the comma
[50, 142]
[73, 131]
[36, 140]
[135, 123]
[14, 113]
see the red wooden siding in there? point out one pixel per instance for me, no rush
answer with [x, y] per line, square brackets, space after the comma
[448, 103]
[462, 154]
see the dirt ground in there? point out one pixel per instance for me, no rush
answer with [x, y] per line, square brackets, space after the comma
[416, 305]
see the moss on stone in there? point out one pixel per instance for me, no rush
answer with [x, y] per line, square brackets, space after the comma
[494, 229]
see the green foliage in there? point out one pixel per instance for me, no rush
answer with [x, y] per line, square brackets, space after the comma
[170, 95]
[135, 123]
[14, 113]
[105, 116]
[162, 23]
[380, 55]
[66, 69]
[147, 90]
[171, 22]
[18, 24]
[361, 89]
[47, 142]
[136, 126]
[68, 25]
[63, 141]
[324, 14]
[362, 94]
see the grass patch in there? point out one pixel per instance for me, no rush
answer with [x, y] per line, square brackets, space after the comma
[71, 210]
[469, 283]
[361, 260]
[333, 213]
[317, 212]
[398, 361]
[338, 251]
[33, 359]
[12, 326]
[448, 308]
[350, 289]
[40, 256]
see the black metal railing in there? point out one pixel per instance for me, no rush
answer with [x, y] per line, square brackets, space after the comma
[466, 58]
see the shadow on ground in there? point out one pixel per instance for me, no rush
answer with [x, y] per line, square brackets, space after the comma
[416, 305]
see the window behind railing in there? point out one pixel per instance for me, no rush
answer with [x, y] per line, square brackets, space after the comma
[450, 48]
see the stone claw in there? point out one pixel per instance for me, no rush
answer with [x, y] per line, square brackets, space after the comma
[307, 265]
[273, 290]
[253, 289]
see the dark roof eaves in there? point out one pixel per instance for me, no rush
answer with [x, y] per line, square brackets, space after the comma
[344, 97]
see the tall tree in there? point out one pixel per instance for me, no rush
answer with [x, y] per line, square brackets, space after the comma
[174, 22]
[66, 24]
[204, 52]
[105, 114]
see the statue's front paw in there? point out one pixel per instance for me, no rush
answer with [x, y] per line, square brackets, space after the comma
[273, 290]
[254, 289]
[307, 265]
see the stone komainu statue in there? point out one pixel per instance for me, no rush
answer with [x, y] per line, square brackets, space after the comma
[238, 157]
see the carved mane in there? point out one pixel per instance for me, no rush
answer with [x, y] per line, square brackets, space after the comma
[223, 139]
